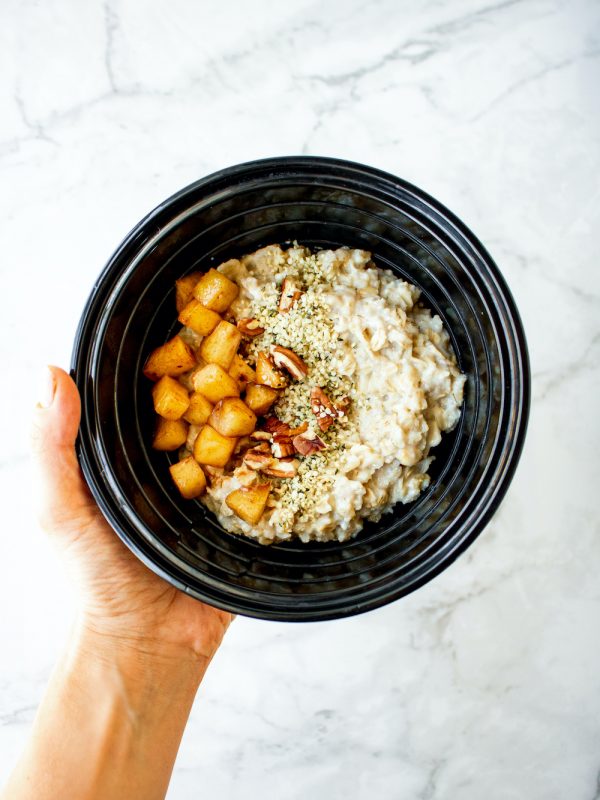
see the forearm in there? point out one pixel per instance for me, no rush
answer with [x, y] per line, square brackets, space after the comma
[110, 723]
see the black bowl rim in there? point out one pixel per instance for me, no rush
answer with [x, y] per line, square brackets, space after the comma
[145, 230]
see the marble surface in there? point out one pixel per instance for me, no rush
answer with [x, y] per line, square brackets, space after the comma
[486, 682]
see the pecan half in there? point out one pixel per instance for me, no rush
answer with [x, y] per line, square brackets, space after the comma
[306, 445]
[284, 468]
[290, 294]
[248, 326]
[288, 360]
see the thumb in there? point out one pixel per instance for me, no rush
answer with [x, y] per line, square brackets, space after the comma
[62, 498]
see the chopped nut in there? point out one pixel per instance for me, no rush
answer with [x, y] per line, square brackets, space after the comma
[297, 431]
[258, 461]
[213, 472]
[243, 443]
[261, 436]
[322, 407]
[342, 406]
[263, 447]
[306, 445]
[276, 428]
[325, 422]
[258, 458]
[249, 326]
[288, 360]
[246, 475]
[290, 294]
[282, 447]
[284, 468]
[275, 425]
[261, 459]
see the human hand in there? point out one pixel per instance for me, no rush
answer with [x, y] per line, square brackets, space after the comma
[121, 599]
[119, 698]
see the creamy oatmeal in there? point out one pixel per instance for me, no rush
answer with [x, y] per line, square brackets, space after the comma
[349, 379]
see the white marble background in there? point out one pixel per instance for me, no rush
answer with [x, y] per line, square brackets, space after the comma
[486, 682]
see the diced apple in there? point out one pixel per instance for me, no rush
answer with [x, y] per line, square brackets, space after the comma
[242, 372]
[200, 319]
[172, 358]
[199, 409]
[214, 383]
[188, 477]
[215, 291]
[184, 289]
[260, 398]
[212, 448]
[221, 345]
[169, 434]
[248, 503]
[267, 374]
[170, 398]
[232, 417]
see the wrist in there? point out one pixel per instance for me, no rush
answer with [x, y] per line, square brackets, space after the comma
[136, 656]
[119, 710]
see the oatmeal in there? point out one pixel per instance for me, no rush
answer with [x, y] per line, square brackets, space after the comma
[347, 380]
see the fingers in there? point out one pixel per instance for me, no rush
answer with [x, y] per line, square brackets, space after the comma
[56, 417]
[61, 496]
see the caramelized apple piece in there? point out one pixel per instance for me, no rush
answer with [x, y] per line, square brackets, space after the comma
[170, 398]
[199, 318]
[212, 448]
[199, 409]
[242, 372]
[169, 434]
[215, 291]
[188, 477]
[214, 383]
[221, 345]
[248, 503]
[232, 417]
[267, 374]
[184, 289]
[260, 398]
[172, 358]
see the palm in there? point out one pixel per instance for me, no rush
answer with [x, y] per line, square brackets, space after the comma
[124, 597]
[121, 597]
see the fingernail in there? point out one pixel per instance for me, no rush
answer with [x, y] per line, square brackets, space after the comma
[47, 389]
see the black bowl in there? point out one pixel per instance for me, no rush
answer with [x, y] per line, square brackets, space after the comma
[319, 202]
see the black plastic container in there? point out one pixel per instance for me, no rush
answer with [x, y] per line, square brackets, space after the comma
[318, 202]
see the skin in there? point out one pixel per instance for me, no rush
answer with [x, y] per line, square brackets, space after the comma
[120, 696]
